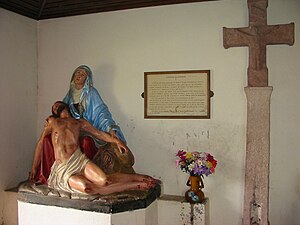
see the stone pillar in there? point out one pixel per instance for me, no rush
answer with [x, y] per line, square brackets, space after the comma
[256, 197]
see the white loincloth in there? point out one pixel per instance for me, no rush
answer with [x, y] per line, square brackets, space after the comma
[60, 173]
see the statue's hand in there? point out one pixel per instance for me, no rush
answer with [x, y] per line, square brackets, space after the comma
[113, 134]
[122, 147]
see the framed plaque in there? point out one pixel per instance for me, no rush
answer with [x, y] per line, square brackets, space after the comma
[177, 94]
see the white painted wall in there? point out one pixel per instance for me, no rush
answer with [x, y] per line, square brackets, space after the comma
[120, 46]
[284, 73]
[18, 63]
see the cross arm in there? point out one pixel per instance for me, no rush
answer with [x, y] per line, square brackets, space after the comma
[235, 37]
[280, 34]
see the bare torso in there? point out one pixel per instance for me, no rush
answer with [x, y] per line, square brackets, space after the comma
[65, 136]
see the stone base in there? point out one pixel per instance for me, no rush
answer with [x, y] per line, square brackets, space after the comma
[166, 210]
[34, 214]
[175, 210]
[257, 168]
[130, 207]
[39, 205]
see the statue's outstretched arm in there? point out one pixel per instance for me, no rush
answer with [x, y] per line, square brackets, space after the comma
[88, 127]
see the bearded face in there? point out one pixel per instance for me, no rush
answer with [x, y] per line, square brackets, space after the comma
[58, 107]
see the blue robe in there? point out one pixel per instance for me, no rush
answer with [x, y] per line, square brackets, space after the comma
[96, 111]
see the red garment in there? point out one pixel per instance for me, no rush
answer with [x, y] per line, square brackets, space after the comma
[87, 145]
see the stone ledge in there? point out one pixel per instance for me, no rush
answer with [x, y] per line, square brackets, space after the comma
[115, 203]
[177, 198]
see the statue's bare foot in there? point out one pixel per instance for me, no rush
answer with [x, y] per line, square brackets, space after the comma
[152, 183]
[144, 186]
[148, 179]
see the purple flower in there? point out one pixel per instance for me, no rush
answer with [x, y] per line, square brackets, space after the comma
[205, 170]
[196, 163]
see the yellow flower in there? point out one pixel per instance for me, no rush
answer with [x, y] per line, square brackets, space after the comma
[189, 155]
[209, 164]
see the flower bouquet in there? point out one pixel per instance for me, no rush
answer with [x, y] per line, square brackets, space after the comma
[196, 163]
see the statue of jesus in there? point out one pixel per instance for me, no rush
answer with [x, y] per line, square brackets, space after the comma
[72, 171]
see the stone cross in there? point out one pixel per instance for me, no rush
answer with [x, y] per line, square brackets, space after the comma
[257, 36]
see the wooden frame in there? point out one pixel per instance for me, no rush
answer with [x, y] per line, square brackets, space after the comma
[177, 94]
